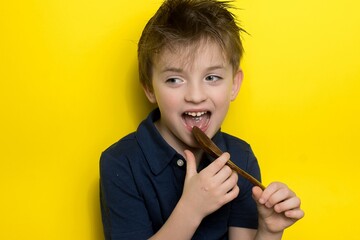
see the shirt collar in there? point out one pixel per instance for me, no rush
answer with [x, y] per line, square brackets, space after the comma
[157, 151]
[219, 141]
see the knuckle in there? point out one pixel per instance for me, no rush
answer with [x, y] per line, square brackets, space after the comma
[219, 163]
[234, 178]
[280, 185]
[228, 170]
[285, 191]
[289, 192]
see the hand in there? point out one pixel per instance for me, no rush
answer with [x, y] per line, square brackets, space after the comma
[278, 207]
[211, 188]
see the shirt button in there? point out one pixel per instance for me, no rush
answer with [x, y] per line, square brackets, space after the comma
[180, 162]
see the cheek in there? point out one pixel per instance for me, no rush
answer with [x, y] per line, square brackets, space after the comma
[167, 100]
[222, 96]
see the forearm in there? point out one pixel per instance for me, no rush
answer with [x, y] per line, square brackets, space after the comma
[266, 235]
[236, 233]
[181, 224]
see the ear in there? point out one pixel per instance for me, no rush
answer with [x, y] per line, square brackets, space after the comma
[238, 78]
[149, 94]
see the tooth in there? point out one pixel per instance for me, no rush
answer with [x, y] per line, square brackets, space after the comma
[195, 114]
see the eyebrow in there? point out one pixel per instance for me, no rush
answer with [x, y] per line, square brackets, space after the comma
[172, 69]
[179, 70]
[215, 67]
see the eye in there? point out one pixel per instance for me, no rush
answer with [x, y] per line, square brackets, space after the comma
[174, 81]
[213, 78]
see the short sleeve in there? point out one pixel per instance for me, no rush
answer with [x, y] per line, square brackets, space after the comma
[243, 208]
[123, 210]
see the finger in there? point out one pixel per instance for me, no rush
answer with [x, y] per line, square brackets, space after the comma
[232, 194]
[257, 192]
[219, 163]
[295, 214]
[230, 182]
[223, 174]
[269, 192]
[279, 196]
[289, 204]
[190, 163]
[226, 185]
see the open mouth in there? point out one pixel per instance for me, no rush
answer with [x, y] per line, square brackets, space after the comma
[199, 119]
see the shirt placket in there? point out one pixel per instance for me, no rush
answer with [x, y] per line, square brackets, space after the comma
[178, 164]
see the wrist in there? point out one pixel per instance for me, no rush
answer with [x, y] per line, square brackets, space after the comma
[181, 224]
[191, 215]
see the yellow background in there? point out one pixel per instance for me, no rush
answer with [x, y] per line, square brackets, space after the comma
[69, 89]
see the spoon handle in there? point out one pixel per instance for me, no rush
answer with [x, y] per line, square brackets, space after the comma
[209, 147]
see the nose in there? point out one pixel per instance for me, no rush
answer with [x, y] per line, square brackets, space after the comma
[195, 93]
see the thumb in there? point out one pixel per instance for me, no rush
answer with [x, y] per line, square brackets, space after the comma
[257, 192]
[190, 164]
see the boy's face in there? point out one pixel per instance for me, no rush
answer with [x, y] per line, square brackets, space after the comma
[192, 87]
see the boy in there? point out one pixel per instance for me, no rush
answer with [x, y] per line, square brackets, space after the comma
[157, 183]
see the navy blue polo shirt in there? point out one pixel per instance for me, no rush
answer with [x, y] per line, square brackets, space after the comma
[142, 178]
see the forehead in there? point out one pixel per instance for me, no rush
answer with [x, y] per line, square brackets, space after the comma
[203, 52]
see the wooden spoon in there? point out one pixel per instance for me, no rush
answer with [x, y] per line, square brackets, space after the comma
[209, 147]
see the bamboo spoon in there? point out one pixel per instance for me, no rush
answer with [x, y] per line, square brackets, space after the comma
[209, 147]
